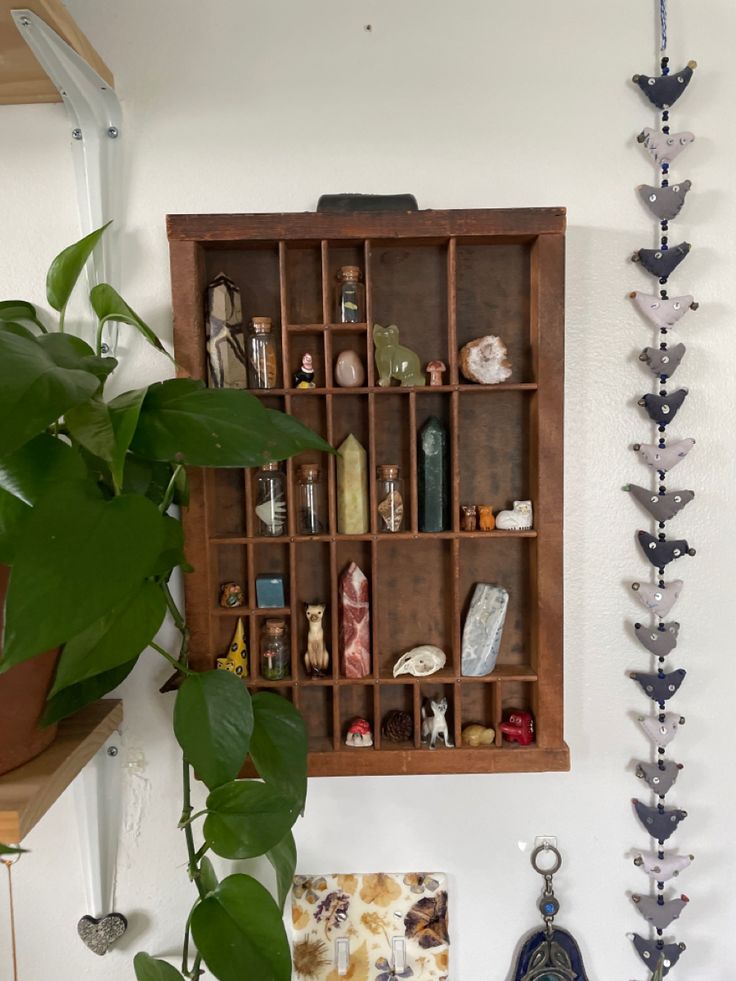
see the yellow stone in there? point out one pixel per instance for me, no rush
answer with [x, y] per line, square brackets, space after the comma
[352, 488]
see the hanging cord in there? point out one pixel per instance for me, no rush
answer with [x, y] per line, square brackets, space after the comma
[663, 24]
[9, 866]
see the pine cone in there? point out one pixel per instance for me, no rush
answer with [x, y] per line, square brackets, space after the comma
[398, 726]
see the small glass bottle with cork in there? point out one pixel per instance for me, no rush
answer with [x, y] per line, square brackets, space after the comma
[261, 354]
[390, 497]
[309, 513]
[270, 501]
[275, 655]
[349, 296]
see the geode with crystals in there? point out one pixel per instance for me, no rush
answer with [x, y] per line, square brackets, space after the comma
[485, 360]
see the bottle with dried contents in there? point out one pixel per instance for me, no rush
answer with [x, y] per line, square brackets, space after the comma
[275, 655]
[390, 497]
[270, 501]
[349, 296]
[309, 520]
[261, 354]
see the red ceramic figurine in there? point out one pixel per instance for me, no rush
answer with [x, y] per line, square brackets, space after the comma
[519, 727]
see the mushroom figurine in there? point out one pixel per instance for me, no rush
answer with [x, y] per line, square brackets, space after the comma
[359, 733]
[435, 369]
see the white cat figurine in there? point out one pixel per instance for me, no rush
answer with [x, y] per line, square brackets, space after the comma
[519, 519]
[436, 726]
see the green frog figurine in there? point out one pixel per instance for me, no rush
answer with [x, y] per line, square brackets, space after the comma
[393, 360]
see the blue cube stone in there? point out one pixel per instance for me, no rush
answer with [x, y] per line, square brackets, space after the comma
[270, 592]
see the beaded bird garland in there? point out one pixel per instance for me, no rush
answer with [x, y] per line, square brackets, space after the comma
[659, 638]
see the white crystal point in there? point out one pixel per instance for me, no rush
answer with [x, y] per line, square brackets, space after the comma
[483, 629]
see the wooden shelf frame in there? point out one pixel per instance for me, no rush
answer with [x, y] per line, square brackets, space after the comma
[298, 255]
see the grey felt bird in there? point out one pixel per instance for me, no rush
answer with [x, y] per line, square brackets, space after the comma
[662, 409]
[651, 953]
[662, 507]
[658, 642]
[663, 363]
[664, 458]
[660, 915]
[661, 552]
[665, 203]
[658, 599]
[659, 687]
[660, 776]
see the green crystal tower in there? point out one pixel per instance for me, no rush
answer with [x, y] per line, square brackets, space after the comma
[433, 472]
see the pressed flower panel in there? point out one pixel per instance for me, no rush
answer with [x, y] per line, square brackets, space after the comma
[396, 926]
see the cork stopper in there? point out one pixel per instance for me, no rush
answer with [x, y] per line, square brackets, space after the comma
[275, 626]
[387, 471]
[351, 273]
[273, 465]
[308, 473]
[262, 325]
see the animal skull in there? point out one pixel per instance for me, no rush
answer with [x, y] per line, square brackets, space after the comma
[420, 661]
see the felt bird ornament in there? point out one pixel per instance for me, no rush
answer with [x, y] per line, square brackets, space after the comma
[662, 312]
[665, 363]
[659, 687]
[664, 458]
[661, 730]
[663, 91]
[660, 824]
[660, 915]
[664, 203]
[662, 507]
[660, 552]
[664, 147]
[236, 659]
[662, 262]
[660, 776]
[658, 599]
[662, 869]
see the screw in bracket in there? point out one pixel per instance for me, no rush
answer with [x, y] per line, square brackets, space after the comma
[113, 132]
[76, 134]
[112, 751]
[25, 21]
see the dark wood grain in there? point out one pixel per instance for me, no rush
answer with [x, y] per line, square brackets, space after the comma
[444, 278]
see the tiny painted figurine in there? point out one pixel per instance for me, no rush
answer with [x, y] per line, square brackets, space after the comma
[359, 733]
[475, 735]
[304, 377]
[317, 658]
[420, 661]
[236, 659]
[393, 360]
[486, 520]
[435, 725]
[469, 517]
[518, 519]
[435, 370]
[519, 727]
[231, 595]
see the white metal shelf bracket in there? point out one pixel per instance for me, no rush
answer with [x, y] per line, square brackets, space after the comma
[98, 802]
[96, 117]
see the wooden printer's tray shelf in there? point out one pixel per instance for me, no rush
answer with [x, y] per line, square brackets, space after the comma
[444, 278]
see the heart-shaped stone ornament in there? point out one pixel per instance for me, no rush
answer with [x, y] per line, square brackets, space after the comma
[100, 935]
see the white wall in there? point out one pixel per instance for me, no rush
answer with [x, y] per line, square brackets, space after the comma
[245, 106]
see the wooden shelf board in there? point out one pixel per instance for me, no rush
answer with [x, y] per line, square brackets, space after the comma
[29, 791]
[22, 79]
[396, 389]
[384, 537]
[351, 761]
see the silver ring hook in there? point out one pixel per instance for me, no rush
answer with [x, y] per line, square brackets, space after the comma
[546, 848]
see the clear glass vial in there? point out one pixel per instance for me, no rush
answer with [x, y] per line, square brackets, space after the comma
[390, 498]
[275, 655]
[309, 521]
[349, 296]
[270, 501]
[261, 354]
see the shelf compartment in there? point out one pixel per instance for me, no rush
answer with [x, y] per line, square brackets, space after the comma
[359, 552]
[506, 563]
[421, 615]
[480, 707]
[493, 290]
[301, 277]
[497, 432]
[357, 702]
[399, 698]
[231, 565]
[318, 707]
[312, 585]
[409, 289]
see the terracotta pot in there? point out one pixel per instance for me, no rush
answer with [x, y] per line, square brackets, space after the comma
[23, 692]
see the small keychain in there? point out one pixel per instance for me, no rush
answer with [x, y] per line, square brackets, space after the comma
[550, 954]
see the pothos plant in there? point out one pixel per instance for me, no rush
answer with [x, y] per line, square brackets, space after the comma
[86, 488]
